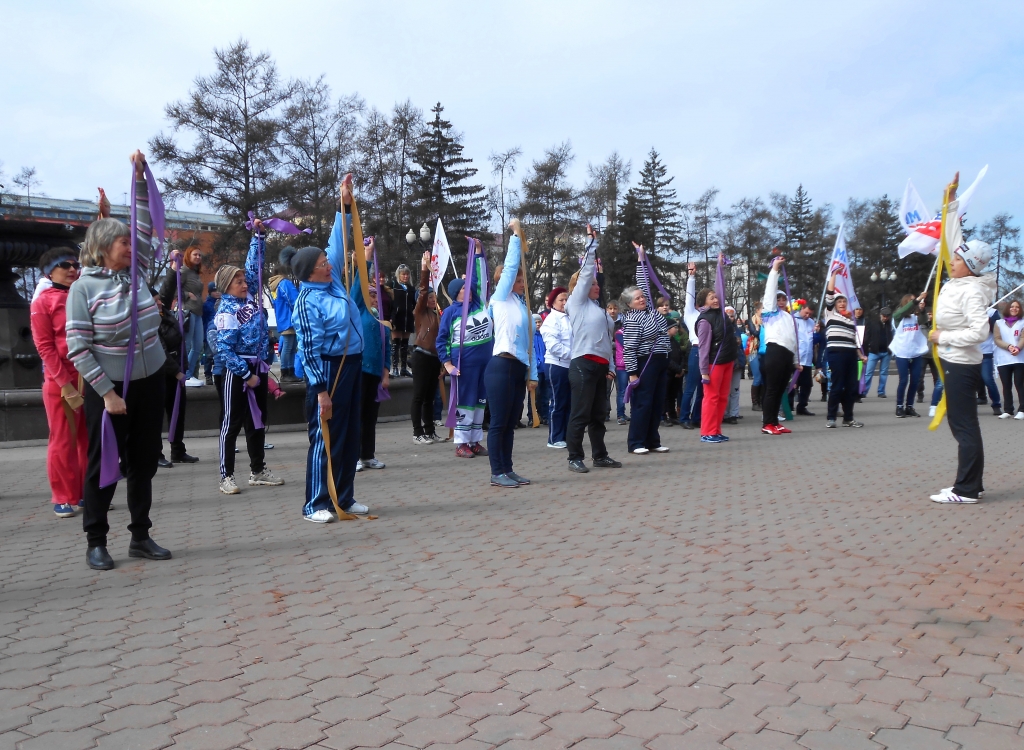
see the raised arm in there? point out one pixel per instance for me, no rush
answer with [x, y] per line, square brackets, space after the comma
[581, 292]
[509, 270]
[771, 289]
[424, 288]
[144, 235]
[254, 262]
[690, 304]
[339, 232]
[641, 275]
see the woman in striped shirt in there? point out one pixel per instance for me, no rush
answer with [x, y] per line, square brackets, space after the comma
[842, 353]
[645, 350]
[99, 328]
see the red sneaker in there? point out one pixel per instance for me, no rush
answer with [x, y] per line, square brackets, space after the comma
[769, 429]
[464, 451]
[478, 450]
[780, 430]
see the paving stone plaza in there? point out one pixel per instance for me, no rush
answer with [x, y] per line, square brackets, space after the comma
[751, 596]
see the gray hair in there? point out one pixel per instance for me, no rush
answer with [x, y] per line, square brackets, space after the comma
[626, 298]
[100, 236]
[403, 268]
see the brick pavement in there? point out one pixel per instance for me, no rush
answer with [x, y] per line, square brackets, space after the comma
[740, 596]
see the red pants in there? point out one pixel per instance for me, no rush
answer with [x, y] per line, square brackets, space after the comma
[65, 461]
[716, 398]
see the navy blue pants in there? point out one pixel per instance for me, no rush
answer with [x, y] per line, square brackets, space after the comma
[647, 402]
[910, 375]
[344, 426]
[561, 402]
[693, 395]
[843, 365]
[505, 381]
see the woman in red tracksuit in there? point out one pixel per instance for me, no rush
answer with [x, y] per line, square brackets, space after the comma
[67, 451]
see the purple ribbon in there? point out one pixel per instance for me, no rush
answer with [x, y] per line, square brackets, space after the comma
[452, 420]
[180, 387]
[278, 225]
[260, 368]
[110, 459]
[646, 262]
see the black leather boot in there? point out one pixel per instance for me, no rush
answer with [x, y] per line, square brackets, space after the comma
[148, 549]
[98, 559]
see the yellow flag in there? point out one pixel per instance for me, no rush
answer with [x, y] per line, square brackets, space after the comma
[944, 264]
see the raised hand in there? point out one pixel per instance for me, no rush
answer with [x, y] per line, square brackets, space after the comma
[104, 204]
[346, 190]
[778, 261]
[591, 232]
[691, 269]
[514, 226]
[425, 261]
[954, 186]
[140, 163]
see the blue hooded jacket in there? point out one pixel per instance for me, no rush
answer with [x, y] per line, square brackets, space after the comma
[241, 325]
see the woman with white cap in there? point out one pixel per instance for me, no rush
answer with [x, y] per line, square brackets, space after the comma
[961, 326]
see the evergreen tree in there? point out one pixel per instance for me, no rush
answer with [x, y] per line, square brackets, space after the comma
[657, 202]
[807, 242]
[618, 256]
[441, 187]
[1006, 254]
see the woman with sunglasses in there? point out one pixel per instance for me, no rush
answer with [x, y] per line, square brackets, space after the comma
[67, 449]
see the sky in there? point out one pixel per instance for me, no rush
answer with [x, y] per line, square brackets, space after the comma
[848, 99]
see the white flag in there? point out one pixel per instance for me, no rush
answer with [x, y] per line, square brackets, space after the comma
[922, 231]
[840, 266]
[440, 258]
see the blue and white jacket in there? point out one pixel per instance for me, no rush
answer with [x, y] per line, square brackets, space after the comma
[376, 343]
[513, 323]
[242, 331]
[479, 341]
[326, 320]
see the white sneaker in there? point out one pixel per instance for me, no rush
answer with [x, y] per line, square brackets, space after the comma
[359, 466]
[662, 449]
[931, 411]
[228, 486]
[640, 451]
[320, 516]
[1005, 415]
[373, 463]
[948, 496]
[422, 440]
[782, 417]
[560, 444]
[265, 478]
[981, 494]
[357, 509]
[194, 383]
[1020, 415]
[435, 438]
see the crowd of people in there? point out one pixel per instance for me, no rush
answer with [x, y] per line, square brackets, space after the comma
[346, 331]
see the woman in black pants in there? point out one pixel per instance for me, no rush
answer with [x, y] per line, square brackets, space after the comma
[376, 366]
[842, 354]
[403, 321]
[426, 367]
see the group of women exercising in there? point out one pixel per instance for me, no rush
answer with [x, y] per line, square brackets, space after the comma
[99, 333]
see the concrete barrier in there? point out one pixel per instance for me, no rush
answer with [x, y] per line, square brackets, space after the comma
[23, 419]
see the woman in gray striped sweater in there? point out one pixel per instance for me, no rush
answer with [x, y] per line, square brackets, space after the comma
[843, 354]
[99, 327]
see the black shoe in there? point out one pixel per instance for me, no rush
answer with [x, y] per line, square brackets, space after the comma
[406, 373]
[578, 466]
[184, 458]
[98, 559]
[516, 478]
[982, 401]
[606, 463]
[805, 413]
[687, 425]
[163, 463]
[882, 395]
[730, 420]
[209, 379]
[824, 398]
[997, 409]
[909, 411]
[900, 413]
[148, 549]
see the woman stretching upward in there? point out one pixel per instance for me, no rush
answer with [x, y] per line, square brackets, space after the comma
[465, 354]
[512, 364]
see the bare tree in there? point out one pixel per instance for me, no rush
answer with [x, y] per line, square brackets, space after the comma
[606, 182]
[501, 199]
[1002, 236]
[26, 180]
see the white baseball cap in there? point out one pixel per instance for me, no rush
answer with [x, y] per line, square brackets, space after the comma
[976, 254]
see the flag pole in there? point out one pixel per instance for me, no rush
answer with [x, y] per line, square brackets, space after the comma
[932, 273]
[1006, 295]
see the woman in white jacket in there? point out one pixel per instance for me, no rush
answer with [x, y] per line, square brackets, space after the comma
[557, 334]
[1008, 335]
[961, 326]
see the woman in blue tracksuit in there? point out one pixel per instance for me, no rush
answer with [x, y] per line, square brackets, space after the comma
[329, 330]
[243, 342]
[511, 366]
[285, 293]
[376, 371]
[467, 361]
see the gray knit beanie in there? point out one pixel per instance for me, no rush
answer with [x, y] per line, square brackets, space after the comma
[304, 262]
[225, 274]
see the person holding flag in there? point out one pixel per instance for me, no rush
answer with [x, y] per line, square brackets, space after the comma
[842, 354]
[961, 326]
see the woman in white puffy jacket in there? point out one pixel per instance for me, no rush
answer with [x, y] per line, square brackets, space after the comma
[557, 334]
[1008, 335]
[961, 326]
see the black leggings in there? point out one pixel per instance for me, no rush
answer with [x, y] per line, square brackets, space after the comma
[776, 371]
[842, 363]
[370, 410]
[962, 415]
[1012, 375]
[425, 371]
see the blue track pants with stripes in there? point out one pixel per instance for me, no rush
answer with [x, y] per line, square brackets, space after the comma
[345, 437]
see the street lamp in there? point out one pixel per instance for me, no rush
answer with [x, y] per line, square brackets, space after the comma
[883, 276]
[424, 237]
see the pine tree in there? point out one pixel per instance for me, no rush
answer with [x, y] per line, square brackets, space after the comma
[440, 184]
[618, 256]
[807, 242]
[657, 203]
